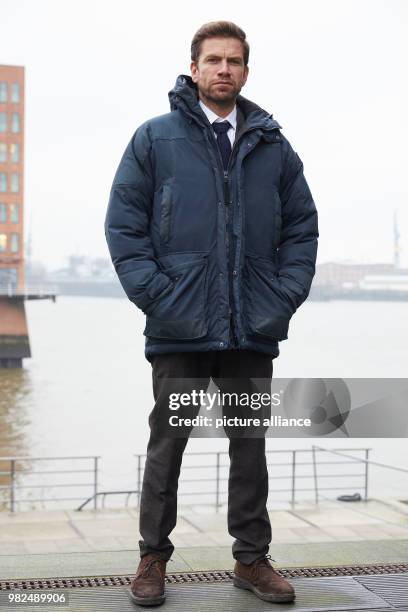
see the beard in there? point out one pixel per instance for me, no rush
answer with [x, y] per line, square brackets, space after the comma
[221, 98]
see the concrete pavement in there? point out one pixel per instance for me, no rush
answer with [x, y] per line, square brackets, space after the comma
[50, 543]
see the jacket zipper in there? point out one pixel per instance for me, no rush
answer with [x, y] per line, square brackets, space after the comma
[226, 192]
[227, 202]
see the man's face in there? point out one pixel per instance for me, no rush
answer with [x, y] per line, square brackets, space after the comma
[220, 72]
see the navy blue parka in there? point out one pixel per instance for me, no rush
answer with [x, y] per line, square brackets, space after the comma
[216, 260]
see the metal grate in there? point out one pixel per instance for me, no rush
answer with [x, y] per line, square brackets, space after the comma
[211, 576]
[394, 590]
[312, 595]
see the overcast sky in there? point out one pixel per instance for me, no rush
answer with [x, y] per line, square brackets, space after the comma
[333, 73]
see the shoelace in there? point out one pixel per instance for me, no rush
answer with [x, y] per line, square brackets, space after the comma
[266, 558]
[145, 572]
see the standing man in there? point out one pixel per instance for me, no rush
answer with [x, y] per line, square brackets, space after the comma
[212, 230]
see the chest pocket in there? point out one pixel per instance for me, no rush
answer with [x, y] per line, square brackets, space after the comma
[165, 214]
[278, 220]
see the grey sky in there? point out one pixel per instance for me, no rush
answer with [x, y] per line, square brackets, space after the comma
[330, 72]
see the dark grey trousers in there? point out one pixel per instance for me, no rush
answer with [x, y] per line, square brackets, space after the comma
[248, 520]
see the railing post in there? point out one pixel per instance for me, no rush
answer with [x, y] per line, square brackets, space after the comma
[95, 483]
[367, 451]
[139, 478]
[293, 476]
[217, 483]
[315, 475]
[12, 483]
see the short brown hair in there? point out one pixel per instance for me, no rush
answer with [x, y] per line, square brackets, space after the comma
[225, 29]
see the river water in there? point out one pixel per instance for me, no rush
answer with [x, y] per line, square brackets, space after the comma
[87, 388]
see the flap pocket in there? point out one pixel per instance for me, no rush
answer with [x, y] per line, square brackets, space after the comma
[176, 330]
[268, 309]
[182, 313]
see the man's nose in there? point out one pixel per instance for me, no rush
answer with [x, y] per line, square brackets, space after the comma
[224, 67]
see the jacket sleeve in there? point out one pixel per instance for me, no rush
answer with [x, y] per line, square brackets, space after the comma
[127, 225]
[297, 250]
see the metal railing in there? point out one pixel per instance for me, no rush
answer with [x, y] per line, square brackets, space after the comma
[14, 471]
[13, 290]
[294, 466]
[104, 495]
[366, 461]
[301, 474]
[301, 471]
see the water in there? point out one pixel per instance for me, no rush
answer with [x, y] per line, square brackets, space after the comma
[87, 389]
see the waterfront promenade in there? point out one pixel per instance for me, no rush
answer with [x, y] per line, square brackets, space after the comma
[104, 543]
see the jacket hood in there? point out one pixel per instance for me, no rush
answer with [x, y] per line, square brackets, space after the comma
[184, 96]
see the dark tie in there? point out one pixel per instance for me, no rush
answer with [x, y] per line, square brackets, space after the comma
[224, 144]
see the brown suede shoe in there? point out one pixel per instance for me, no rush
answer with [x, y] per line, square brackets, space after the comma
[260, 578]
[147, 587]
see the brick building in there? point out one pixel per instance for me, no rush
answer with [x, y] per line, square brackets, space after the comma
[11, 176]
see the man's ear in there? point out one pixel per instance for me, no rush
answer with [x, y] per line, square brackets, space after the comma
[246, 71]
[194, 70]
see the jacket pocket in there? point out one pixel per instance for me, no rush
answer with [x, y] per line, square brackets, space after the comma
[165, 214]
[268, 307]
[278, 220]
[182, 313]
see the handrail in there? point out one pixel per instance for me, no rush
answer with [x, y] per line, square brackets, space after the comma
[368, 461]
[104, 493]
[294, 474]
[28, 458]
[13, 472]
[27, 287]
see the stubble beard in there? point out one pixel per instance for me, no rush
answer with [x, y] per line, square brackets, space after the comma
[222, 100]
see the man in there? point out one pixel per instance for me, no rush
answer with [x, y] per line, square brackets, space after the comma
[213, 233]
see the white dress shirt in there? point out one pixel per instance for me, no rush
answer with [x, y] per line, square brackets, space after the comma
[232, 118]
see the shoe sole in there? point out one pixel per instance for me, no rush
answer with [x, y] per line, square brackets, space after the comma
[244, 584]
[145, 601]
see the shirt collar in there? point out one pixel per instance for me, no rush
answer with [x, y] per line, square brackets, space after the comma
[211, 116]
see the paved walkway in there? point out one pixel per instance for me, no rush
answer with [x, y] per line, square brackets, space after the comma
[89, 530]
[106, 541]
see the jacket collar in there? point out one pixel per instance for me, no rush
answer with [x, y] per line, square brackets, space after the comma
[184, 96]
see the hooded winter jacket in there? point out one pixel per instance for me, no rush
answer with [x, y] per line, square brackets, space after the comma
[215, 259]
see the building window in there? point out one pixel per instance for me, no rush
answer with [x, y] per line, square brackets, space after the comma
[3, 123]
[3, 243]
[15, 92]
[3, 213]
[14, 182]
[3, 152]
[14, 243]
[3, 91]
[15, 123]
[14, 213]
[3, 182]
[14, 153]
[8, 276]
